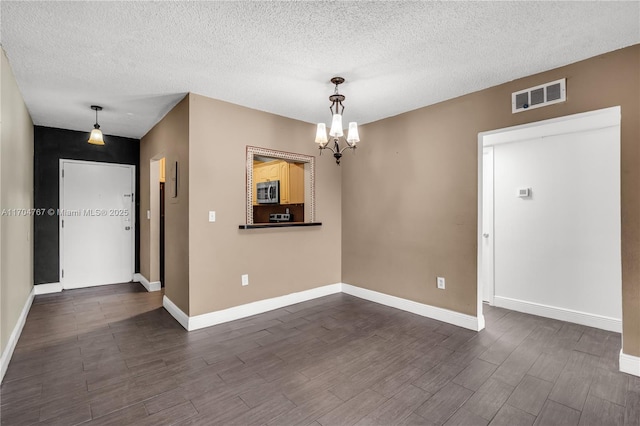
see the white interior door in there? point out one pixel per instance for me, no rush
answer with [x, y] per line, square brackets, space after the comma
[487, 225]
[97, 224]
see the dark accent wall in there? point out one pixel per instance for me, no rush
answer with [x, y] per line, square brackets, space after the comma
[51, 145]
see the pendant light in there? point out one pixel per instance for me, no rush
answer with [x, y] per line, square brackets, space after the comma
[96, 134]
[336, 131]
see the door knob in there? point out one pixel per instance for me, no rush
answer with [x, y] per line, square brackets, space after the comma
[485, 235]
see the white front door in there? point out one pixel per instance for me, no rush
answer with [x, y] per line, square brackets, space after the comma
[97, 224]
[487, 225]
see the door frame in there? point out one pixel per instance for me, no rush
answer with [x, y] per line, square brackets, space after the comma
[591, 120]
[487, 285]
[132, 169]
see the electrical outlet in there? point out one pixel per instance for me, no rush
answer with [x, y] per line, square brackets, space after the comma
[245, 279]
[440, 281]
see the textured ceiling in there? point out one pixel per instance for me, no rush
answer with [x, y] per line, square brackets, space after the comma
[137, 59]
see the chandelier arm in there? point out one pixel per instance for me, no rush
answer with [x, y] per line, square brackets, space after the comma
[348, 146]
[326, 146]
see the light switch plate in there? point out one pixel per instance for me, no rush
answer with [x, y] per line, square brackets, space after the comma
[245, 279]
[148, 214]
[440, 281]
[212, 216]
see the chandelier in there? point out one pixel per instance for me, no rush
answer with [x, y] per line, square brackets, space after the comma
[336, 131]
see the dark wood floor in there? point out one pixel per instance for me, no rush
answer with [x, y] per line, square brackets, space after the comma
[113, 355]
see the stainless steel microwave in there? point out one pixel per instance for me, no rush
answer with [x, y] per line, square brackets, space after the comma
[268, 192]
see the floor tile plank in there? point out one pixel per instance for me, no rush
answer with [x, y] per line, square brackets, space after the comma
[511, 416]
[350, 412]
[396, 409]
[600, 412]
[557, 414]
[475, 374]
[444, 403]
[530, 395]
[488, 400]
[632, 409]
[609, 385]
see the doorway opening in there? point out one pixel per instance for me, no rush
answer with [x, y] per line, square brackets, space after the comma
[161, 234]
[157, 177]
[161, 207]
[549, 219]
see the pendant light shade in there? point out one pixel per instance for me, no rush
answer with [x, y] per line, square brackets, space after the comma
[96, 138]
[321, 134]
[336, 126]
[353, 137]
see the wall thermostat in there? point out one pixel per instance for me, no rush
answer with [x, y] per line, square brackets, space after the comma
[524, 192]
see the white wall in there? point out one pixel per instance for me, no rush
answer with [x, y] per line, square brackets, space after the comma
[560, 247]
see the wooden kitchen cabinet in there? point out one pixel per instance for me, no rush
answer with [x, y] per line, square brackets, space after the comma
[264, 172]
[296, 183]
[291, 183]
[284, 182]
[272, 171]
[290, 175]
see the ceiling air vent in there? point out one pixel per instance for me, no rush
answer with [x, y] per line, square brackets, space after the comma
[539, 96]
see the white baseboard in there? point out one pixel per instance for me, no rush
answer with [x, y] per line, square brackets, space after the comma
[254, 308]
[237, 312]
[629, 364]
[150, 286]
[456, 318]
[47, 288]
[15, 335]
[176, 312]
[562, 314]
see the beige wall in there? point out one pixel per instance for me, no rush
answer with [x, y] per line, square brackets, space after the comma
[170, 139]
[410, 197]
[16, 192]
[278, 261]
